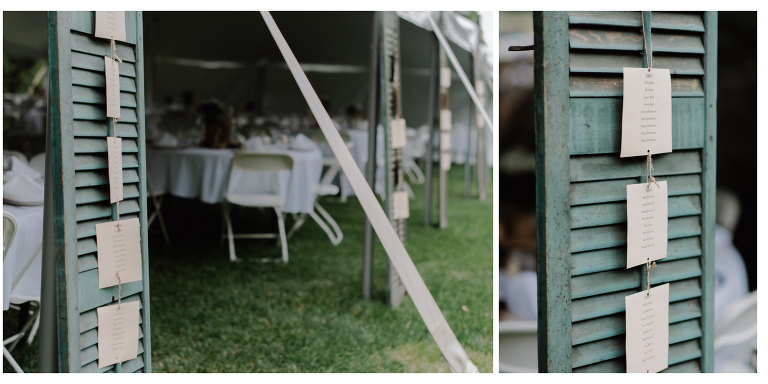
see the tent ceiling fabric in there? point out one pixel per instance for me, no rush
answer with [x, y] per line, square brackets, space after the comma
[228, 50]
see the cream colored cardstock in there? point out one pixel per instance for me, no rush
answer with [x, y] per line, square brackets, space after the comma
[118, 251]
[110, 25]
[646, 223]
[445, 141]
[400, 205]
[112, 75]
[398, 133]
[445, 161]
[115, 164]
[445, 120]
[646, 119]
[118, 333]
[648, 330]
[445, 77]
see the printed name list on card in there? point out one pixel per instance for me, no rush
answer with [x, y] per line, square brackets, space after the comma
[648, 330]
[118, 252]
[118, 333]
[115, 164]
[646, 223]
[399, 138]
[646, 119]
[112, 74]
[110, 25]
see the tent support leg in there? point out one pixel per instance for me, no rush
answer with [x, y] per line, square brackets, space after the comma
[429, 162]
[370, 166]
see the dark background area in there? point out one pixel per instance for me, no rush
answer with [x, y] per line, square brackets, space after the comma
[737, 126]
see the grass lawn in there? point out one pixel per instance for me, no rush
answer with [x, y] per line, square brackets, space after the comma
[211, 315]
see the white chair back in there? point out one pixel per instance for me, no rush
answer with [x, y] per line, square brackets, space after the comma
[37, 162]
[19, 155]
[9, 232]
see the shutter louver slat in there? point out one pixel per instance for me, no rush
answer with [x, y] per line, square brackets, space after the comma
[98, 113]
[100, 145]
[601, 260]
[97, 80]
[589, 239]
[613, 213]
[606, 167]
[596, 192]
[86, 95]
[96, 63]
[94, 178]
[588, 62]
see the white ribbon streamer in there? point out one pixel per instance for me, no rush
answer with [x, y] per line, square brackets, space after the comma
[435, 321]
[461, 73]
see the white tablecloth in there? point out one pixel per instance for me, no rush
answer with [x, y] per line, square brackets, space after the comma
[29, 236]
[203, 173]
[360, 154]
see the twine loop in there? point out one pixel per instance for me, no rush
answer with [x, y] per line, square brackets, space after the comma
[113, 47]
[119, 289]
[648, 267]
[648, 170]
[648, 53]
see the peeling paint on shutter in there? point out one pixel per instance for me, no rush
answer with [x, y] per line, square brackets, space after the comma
[588, 231]
[79, 128]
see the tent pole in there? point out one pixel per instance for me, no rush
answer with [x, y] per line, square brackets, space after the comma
[467, 165]
[431, 124]
[370, 166]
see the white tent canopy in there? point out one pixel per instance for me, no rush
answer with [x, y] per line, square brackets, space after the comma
[232, 57]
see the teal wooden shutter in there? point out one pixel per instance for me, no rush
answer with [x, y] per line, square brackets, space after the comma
[79, 168]
[390, 99]
[581, 209]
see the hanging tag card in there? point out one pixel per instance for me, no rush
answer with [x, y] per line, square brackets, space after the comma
[445, 120]
[398, 133]
[118, 333]
[110, 25]
[445, 77]
[648, 330]
[445, 161]
[400, 205]
[480, 90]
[115, 164]
[112, 74]
[646, 119]
[445, 141]
[646, 223]
[118, 251]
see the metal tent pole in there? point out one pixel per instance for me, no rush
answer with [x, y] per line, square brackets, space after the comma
[467, 165]
[431, 124]
[370, 166]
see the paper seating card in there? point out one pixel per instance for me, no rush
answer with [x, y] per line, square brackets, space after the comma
[646, 119]
[646, 223]
[110, 25]
[648, 330]
[445, 141]
[118, 251]
[112, 74]
[445, 120]
[118, 333]
[445, 161]
[400, 205]
[398, 133]
[115, 164]
[445, 77]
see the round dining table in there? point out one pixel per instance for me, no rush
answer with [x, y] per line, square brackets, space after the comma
[203, 173]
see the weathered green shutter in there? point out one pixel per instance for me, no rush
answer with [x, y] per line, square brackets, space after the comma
[80, 183]
[390, 99]
[581, 209]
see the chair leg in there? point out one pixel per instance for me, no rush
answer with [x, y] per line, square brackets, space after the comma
[232, 256]
[162, 222]
[334, 237]
[35, 327]
[7, 355]
[343, 187]
[408, 190]
[281, 228]
[297, 224]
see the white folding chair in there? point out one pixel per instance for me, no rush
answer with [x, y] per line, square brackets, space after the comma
[9, 233]
[37, 162]
[157, 199]
[334, 168]
[259, 163]
[335, 234]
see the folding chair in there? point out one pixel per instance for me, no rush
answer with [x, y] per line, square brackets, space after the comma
[334, 168]
[157, 200]
[9, 233]
[261, 163]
